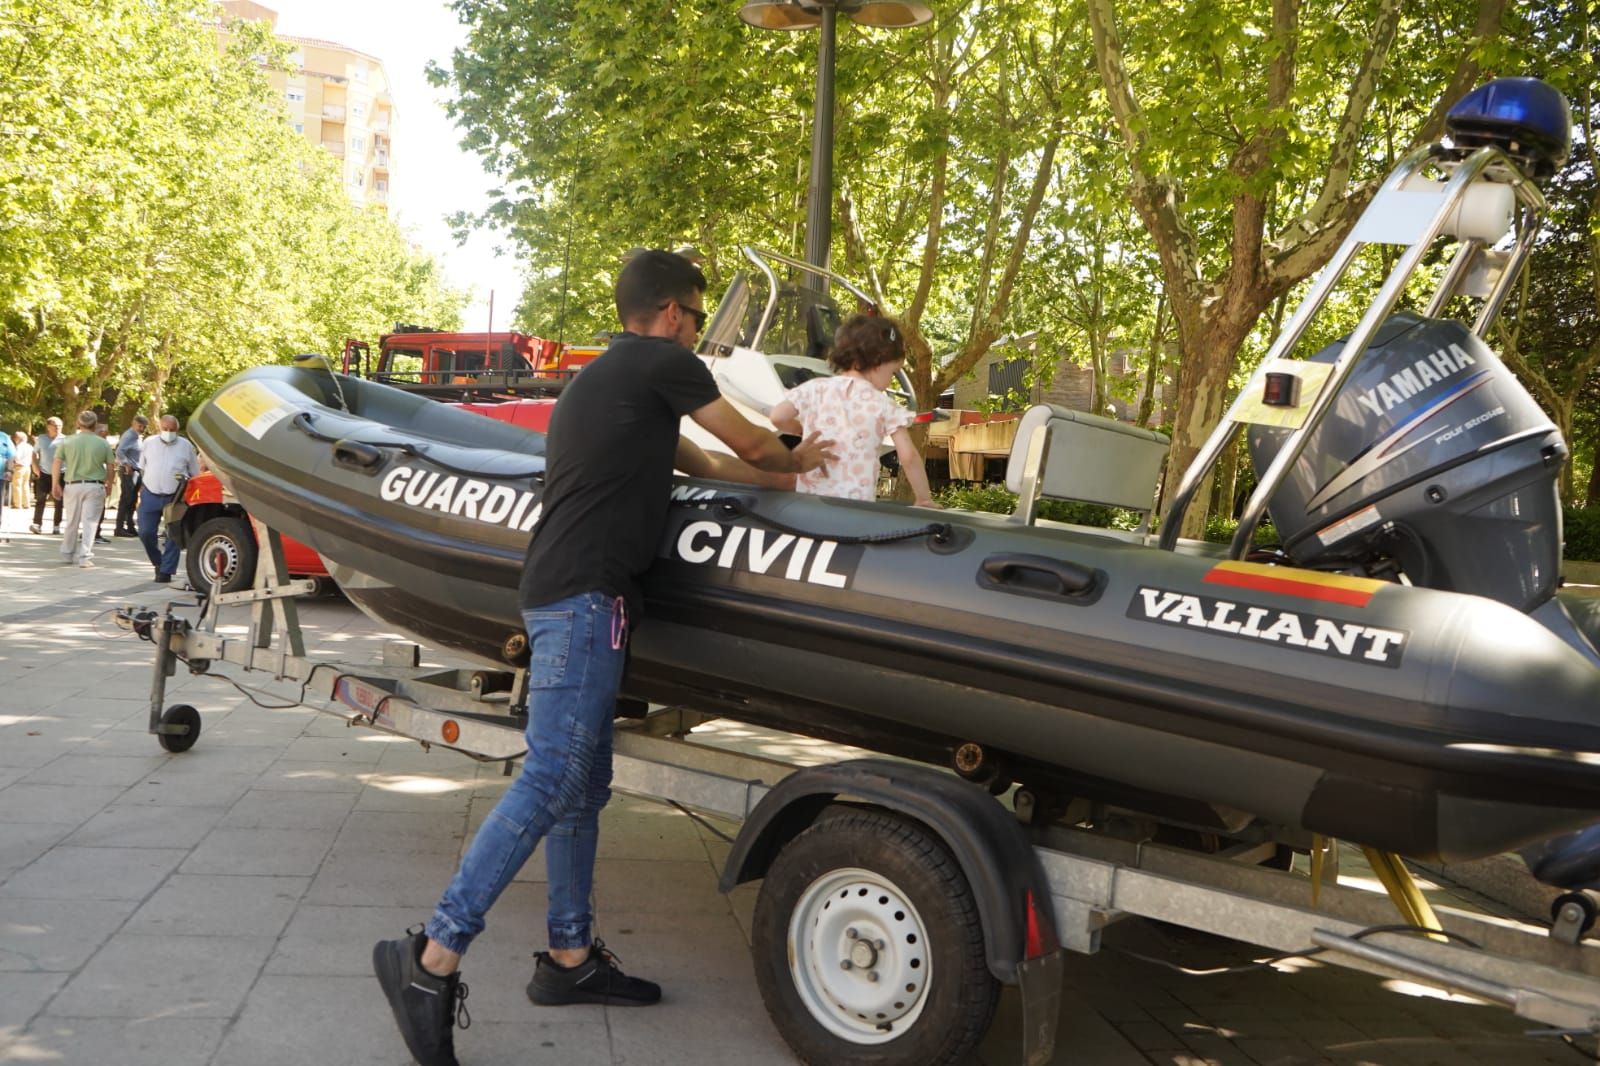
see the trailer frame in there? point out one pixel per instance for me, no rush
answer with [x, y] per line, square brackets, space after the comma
[1092, 878]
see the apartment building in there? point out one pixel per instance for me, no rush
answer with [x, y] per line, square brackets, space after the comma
[339, 99]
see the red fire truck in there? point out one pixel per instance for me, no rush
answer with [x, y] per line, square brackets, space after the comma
[467, 366]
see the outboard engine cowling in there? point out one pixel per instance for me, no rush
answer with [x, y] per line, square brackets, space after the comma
[1433, 458]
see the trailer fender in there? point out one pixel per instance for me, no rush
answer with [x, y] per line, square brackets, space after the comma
[1007, 881]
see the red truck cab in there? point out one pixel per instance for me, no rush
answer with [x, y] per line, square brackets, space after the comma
[467, 366]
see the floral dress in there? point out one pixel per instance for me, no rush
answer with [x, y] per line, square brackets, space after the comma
[856, 417]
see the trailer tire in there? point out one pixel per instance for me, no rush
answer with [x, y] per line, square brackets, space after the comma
[224, 545]
[179, 714]
[892, 971]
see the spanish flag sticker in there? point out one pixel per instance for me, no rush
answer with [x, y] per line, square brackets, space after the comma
[1292, 581]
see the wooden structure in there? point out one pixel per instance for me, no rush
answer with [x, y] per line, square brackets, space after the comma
[968, 439]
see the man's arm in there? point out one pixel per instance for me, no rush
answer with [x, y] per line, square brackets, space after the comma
[759, 447]
[697, 462]
[55, 472]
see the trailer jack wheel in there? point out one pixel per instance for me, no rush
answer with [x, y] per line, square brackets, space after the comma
[1572, 915]
[184, 721]
[868, 947]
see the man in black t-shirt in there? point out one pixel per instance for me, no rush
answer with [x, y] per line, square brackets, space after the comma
[612, 447]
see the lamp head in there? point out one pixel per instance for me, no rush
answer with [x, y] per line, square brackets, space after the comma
[780, 15]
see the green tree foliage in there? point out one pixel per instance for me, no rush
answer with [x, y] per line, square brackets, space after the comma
[1254, 136]
[161, 225]
[1152, 179]
[1549, 333]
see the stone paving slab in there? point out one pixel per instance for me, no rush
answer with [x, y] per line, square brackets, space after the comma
[218, 908]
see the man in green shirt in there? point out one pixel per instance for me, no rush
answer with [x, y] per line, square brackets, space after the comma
[80, 477]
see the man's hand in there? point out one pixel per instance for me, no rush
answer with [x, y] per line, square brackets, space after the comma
[812, 453]
[695, 461]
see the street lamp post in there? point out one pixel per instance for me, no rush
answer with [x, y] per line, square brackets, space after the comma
[803, 15]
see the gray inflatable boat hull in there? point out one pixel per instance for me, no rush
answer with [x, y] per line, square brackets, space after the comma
[1428, 723]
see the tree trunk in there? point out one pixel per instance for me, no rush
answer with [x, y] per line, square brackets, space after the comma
[1592, 497]
[1208, 346]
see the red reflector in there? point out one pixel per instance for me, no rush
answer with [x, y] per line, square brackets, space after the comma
[1033, 945]
[451, 731]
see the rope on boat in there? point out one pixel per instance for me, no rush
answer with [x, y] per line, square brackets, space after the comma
[734, 507]
[303, 422]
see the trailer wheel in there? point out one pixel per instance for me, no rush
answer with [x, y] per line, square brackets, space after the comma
[221, 549]
[868, 947]
[180, 714]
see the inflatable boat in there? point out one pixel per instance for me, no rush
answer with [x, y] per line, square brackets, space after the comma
[1399, 671]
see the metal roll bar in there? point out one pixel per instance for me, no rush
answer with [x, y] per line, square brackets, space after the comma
[1464, 173]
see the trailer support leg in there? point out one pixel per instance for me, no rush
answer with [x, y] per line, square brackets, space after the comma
[167, 629]
[1402, 888]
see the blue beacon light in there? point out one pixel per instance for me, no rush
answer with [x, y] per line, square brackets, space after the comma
[1526, 118]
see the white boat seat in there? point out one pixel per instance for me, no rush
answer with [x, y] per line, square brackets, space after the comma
[1064, 454]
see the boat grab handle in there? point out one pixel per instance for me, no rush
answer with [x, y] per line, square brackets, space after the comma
[1041, 575]
[357, 455]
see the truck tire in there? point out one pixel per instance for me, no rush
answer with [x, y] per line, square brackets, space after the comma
[868, 947]
[222, 547]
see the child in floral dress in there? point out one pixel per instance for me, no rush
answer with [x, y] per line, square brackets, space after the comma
[850, 409]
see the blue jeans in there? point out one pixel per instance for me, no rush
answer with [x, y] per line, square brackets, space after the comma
[163, 551]
[576, 651]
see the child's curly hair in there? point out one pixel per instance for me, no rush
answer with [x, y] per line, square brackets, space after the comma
[867, 341]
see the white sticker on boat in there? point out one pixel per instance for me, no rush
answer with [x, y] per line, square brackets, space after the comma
[1349, 525]
[691, 494]
[254, 406]
[466, 497]
[1353, 641]
[754, 550]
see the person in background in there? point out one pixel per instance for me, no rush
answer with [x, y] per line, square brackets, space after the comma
[613, 445]
[8, 470]
[80, 477]
[168, 460]
[103, 431]
[850, 409]
[44, 454]
[130, 448]
[22, 480]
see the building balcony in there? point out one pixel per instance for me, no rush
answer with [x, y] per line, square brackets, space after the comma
[334, 147]
[332, 113]
[380, 159]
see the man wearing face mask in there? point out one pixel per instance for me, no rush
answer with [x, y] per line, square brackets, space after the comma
[166, 459]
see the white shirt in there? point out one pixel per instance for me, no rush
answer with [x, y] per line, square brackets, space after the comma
[163, 463]
[856, 417]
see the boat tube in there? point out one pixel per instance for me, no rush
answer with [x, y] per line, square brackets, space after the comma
[1398, 673]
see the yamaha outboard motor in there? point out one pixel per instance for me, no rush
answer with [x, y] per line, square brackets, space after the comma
[1434, 462]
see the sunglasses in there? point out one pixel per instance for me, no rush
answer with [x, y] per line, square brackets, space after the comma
[699, 315]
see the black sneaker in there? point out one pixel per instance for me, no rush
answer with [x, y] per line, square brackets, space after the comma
[163, 579]
[426, 1008]
[597, 979]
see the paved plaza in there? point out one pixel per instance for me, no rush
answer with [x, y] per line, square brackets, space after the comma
[218, 908]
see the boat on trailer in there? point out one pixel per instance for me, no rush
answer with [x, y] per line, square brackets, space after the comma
[1399, 672]
[1401, 669]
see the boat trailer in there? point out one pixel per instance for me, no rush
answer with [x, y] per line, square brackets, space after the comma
[1089, 878]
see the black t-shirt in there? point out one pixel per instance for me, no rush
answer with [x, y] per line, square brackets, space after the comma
[608, 472]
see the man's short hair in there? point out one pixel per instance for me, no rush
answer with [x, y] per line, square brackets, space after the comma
[52, 421]
[140, 420]
[653, 278]
[88, 419]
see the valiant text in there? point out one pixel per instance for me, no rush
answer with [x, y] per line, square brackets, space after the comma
[1354, 641]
